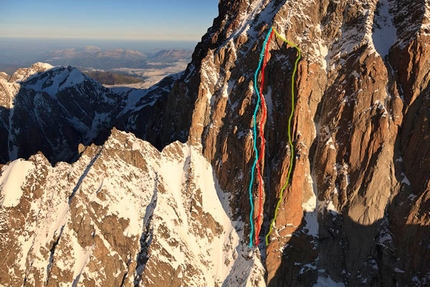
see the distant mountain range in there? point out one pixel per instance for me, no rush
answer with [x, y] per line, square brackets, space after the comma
[171, 55]
[94, 57]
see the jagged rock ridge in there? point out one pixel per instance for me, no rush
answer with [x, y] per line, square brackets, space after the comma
[123, 214]
[356, 211]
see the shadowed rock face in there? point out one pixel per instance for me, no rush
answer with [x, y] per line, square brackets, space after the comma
[357, 208]
[54, 109]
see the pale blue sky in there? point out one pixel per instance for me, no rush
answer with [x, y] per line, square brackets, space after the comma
[107, 19]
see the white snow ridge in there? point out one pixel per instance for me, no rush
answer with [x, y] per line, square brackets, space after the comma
[123, 213]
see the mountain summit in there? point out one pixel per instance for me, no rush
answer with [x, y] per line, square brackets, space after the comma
[285, 174]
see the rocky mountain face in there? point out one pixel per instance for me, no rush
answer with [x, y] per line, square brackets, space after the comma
[54, 109]
[122, 213]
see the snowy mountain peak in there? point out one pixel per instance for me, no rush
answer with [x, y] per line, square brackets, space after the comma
[23, 74]
[57, 79]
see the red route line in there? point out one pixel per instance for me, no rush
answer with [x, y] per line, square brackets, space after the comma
[262, 143]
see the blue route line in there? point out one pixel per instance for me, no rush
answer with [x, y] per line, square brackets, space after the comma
[254, 123]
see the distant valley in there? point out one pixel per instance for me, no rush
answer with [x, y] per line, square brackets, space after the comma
[119, 67]
[112, 78]
[140, 65]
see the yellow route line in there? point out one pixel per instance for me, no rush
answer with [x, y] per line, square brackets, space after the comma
[290, 141]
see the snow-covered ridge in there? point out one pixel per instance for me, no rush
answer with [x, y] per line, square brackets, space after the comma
[9, 86]
[56, 80]
[24, 73]
[4, 76]
[61, 103]
[167, 208]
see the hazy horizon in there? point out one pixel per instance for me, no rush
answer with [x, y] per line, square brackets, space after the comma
[32, 31]
[57, 43]
[23, 52]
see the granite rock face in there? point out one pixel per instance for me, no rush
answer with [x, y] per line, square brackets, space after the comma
[360, 129]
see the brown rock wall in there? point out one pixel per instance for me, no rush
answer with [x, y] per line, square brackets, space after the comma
[355, 114]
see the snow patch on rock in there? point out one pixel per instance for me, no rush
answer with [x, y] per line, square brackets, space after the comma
[11, 180]
[384, 31]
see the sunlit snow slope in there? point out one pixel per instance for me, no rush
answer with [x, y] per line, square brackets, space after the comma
[124, 213]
